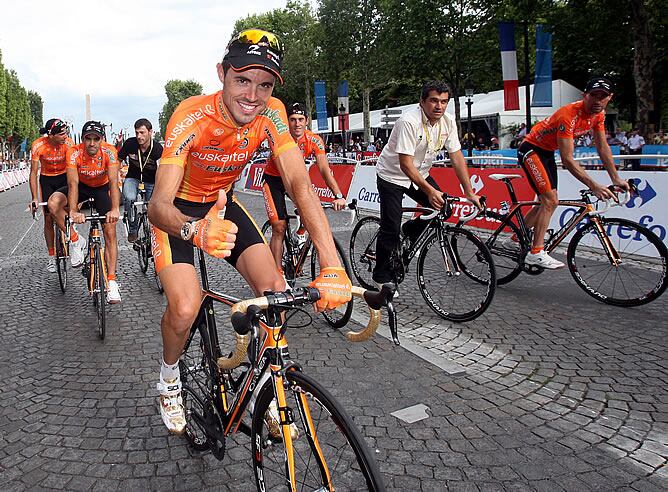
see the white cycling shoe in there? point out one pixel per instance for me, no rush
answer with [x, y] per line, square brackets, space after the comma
[78, 252]
[543, 260]
[171, 405]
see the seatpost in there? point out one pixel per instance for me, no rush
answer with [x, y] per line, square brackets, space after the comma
[511, 190]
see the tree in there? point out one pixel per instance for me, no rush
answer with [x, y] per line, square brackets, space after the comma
[177, 91]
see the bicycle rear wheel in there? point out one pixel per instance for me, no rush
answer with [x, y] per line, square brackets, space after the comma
[61, 259]
[144, 242]
[339, 317]
[329, 452]
[197, 371]
[448, 293]
[99, 291]
[363, 250]
[505, 251]
[640, 275]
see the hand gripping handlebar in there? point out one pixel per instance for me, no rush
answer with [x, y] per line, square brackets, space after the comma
[246, 313]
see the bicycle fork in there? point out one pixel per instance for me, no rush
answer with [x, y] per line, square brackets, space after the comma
[286, 420]
[452, 268]
[608, 247]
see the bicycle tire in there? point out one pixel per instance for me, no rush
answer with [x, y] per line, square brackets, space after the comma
[363, 250]
[61, 260]
[506, 256]
[348, 460]
[286, 261]
[156, 277]
[196, 369]
[144, 242]
[456, 297]
[339, 317]
[587, 262]
[99, 292]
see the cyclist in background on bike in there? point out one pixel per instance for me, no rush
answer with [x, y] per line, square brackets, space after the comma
[142, 154]
[92, 172]
[48, 156]
[310, 145]
[208, 142]
[558, 132]
[403, 169]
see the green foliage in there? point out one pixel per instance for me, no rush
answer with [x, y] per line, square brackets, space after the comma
[177, 91]
[17, 119]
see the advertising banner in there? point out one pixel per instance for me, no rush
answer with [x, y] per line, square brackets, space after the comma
[254, 179]
[343, 174]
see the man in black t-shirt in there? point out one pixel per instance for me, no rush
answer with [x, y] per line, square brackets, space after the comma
[142, 154]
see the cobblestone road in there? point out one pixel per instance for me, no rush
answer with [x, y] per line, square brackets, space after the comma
[548, 390]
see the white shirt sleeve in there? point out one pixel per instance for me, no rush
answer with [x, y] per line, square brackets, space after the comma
[407, 140]
[452, 143]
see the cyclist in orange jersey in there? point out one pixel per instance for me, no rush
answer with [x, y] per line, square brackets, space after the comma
[310, 145]
[208, 141]
[92, 172]
[48, 161]
[536, 156]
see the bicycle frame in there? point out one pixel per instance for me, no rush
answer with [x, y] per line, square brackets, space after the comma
[583, 208]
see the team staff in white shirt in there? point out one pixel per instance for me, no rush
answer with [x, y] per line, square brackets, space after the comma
[404, 164]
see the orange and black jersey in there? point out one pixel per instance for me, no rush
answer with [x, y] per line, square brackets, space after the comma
[52, 158]
[92, 169]
[204, 140]
[310, 144]
[570, 121]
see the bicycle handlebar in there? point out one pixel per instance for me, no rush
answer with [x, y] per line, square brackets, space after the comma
[456, 199]
[245, 315]
[622, 197]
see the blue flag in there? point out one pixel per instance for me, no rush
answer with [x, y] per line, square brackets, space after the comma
[321, 104]
[542, 89]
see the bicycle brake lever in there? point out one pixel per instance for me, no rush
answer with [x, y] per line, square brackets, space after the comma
[392, 320]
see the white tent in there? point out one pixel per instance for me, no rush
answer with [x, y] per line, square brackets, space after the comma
[486, 106]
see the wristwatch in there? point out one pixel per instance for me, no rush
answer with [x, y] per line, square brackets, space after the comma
[338, 196]
[187, 229]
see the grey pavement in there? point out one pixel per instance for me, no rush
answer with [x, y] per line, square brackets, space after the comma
[548, 390]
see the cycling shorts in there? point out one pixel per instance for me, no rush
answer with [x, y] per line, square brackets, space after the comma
[49, 184]
[169, 250]
[274, 193]
[539, 166]
[99, 193]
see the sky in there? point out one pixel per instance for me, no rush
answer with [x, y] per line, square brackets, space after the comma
[121, 52]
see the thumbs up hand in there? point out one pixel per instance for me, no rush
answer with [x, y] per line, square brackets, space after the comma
[214, 234]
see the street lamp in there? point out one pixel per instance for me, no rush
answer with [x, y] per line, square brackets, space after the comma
[469, 103]
[342, 125]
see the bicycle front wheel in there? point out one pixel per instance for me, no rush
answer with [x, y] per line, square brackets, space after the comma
[61, 259]
[457, 277]
[363, 250]
[637, 277]
[339, 317]
[329, 452]
[99, 292]
[505, 251]
[144, 242]
[286, 261]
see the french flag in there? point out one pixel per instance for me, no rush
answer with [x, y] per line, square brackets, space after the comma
[511, 95]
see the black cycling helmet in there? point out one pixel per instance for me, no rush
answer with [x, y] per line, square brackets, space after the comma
[54, 126]
[94, 127]
[296, 108]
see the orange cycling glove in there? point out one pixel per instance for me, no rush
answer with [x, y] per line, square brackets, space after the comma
[334, 286]
[215, 235]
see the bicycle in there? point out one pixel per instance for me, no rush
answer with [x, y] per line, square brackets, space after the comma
[139, 213]
[444, 252]
[300, 435]
[94, 267]
[296, 250]
[596, 261]
[62, 246]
